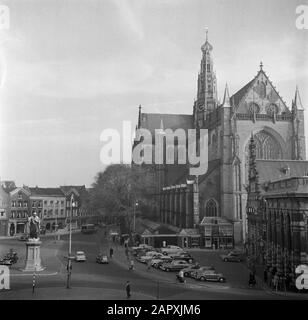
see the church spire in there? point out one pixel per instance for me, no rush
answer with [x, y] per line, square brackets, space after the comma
[139, 117]
[297, 103]
[207, 87]
[226, 103]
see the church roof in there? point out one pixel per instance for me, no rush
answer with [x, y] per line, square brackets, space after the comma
[272, 170]
[152, 121]
[237, 97]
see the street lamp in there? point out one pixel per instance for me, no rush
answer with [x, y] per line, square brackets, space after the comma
[69, 262]
[135, 205]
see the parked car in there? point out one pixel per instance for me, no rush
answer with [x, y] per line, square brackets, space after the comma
[23, 237]
[80, 256]
[188, 272]
[187, 258]
[170, 249]
[194, 273]
[157, 262]
[175, 265]
[142, 250]
[149, 256]
[6, 262]
[102, 258]
[12, 256]
[143, 246]
[209, 275]
[231, 257]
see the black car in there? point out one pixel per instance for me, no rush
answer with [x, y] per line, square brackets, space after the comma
[187, 258]
[6, 262]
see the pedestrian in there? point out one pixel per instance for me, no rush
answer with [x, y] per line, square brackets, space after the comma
[252, 280]
[111, 252]
[127, 287]
[181, 276]
[275, 281]
[131, 267]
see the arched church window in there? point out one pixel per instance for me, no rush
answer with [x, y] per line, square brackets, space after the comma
[211, 209]
[272, 109]
[254, 108]
[262, 90]
[267, 147]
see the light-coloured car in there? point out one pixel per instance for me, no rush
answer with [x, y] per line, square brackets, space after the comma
[149, 256]
[156, 262]
[80, 256]
[195, 272]
[171, 250]
[175, 265]
[209, 275]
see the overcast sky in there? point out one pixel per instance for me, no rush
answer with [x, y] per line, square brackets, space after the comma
[73, 68]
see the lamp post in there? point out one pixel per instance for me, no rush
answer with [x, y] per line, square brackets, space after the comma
[69, 262]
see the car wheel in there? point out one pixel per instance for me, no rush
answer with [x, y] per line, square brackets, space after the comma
[202, 278]
[186, 274]
[225, 260]
[164, 253]
[155, 265]
[167, 269]
[221, 280]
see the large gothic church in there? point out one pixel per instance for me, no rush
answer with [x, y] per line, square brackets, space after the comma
[256, 109]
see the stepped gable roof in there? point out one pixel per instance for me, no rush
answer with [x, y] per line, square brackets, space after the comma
[152, 121]
[46, 192]
[273, 170]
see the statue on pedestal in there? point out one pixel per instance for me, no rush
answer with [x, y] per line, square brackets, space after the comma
[34, 227]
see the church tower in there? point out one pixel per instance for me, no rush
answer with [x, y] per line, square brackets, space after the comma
[207, 86]
[299, 150]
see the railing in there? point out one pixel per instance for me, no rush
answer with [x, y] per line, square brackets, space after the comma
[264, 117]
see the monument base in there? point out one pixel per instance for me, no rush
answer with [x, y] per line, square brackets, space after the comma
[33, 256]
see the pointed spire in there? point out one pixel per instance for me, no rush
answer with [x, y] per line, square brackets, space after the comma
[207, 46]
[161, 124]
[297, 100]
[261, 65]
[139, 117]
[226, 103]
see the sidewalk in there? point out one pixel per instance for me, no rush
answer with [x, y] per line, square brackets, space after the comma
[268, 289]
[75, 293]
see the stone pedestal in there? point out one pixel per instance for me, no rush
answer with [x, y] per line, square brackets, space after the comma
[33, 256]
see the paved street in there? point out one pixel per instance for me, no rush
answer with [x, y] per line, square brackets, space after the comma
[94, 281]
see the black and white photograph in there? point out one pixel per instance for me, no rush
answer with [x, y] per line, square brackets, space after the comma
[154, 150]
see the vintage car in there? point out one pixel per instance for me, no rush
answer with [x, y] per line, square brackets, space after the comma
[170, 249]
[175, 265]
[157, 262]
[209, 275]
[80, 256]
[188, 272]
[23, 237]
[149, 256]
[232, 256]
[102, 258]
